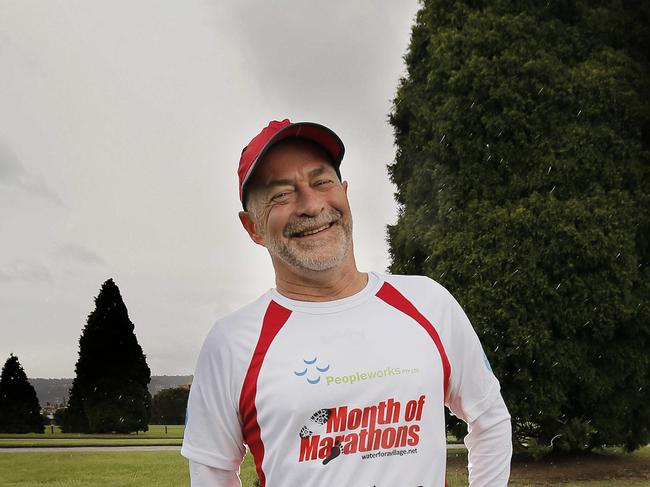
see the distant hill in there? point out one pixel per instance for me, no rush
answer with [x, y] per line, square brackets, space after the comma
[55, 391]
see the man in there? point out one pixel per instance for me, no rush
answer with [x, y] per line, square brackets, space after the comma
[335, 377]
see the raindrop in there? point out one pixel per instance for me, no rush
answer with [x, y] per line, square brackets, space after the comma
[494, 283]
[472, 105]
[499, 134]
[618, 255]
[579, 112]
[540, 90]
[552, 189]
[554, 364]
[586, 323]
[497, 348]
[443, 138]
[549, 170]
[558, 286]
[121, 420]
[489, 157]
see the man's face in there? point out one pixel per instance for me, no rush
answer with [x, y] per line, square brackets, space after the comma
[300, 210]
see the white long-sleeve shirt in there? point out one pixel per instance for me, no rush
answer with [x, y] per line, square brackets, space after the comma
[326, 392]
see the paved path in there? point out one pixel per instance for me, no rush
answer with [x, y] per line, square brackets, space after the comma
[450, 446]
[91, 448]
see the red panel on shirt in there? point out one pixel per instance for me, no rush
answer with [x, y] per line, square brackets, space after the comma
[274, 318]
[393, 297]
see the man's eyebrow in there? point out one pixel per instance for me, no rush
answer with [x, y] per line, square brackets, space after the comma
[279, 182]
[288, 182]
[318, 171]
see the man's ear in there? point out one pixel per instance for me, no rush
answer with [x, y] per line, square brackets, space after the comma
[345, 186]
[249, 225]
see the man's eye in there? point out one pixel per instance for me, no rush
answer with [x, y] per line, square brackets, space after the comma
[323, 181]
[280, 196]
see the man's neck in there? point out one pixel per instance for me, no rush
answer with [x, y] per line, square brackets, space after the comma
[327, 285]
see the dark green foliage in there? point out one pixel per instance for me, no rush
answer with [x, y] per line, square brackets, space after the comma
[60, 416]
[19, 408]
[522, 175]
[109, 392]
[169, 406]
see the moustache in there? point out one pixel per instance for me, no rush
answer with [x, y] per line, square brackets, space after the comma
[302, 224]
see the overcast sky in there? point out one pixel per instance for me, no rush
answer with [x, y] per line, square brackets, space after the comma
[121, 125]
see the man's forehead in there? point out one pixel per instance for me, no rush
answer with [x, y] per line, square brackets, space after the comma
[276, 175]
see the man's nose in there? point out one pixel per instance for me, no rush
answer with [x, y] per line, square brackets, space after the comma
[310, 202]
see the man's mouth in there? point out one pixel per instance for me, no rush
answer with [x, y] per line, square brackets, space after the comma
[313, 231]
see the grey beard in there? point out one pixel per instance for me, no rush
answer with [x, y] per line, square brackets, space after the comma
[304, 259]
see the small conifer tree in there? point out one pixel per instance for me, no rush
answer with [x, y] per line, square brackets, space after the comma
[20, 411]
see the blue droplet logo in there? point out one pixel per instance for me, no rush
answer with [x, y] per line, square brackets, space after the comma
[312, 376]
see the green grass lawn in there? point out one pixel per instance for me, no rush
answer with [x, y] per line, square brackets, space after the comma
[89, 442]
[102, 469]
[168, 468]
[155, 436]
[125, 469]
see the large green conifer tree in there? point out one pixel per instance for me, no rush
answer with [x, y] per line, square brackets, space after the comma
[109, 392]
[20, 411]
[522, 176]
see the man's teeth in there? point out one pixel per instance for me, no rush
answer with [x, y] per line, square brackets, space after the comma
[315, 230]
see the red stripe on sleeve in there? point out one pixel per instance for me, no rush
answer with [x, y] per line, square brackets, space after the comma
[274, 318]
[394, 298]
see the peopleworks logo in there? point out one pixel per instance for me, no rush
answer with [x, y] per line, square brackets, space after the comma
[369, 375]
[312, 376]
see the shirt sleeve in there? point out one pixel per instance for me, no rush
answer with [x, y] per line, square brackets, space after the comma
[213, 435]
[204, 476]
[472, 385]
[489, 446]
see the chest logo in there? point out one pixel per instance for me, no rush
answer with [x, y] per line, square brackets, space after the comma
[312, 370]
[388, 428]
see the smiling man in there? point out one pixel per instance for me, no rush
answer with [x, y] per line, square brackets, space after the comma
[336, 376]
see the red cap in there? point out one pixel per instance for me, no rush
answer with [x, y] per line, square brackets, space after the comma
[254, 152]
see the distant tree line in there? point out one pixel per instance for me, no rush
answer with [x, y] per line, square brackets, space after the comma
[169, 406]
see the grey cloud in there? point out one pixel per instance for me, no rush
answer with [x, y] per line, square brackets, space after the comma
[76, 253]
[13, 173]
[315, 52]
[10, 168]
[25, 270]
